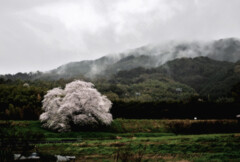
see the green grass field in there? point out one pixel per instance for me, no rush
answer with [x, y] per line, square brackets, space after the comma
[214, 147]
[148, 140]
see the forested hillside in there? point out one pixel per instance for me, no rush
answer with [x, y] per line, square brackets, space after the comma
[168, 79]
[178, 89]
[210, 78]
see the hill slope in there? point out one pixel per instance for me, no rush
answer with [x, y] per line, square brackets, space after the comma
[206, 76]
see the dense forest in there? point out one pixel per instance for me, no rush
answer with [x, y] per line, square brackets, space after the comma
[181, 88]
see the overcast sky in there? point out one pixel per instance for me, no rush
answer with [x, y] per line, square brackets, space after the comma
[43, 34]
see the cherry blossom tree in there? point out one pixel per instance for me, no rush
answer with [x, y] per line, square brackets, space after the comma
[78, 105]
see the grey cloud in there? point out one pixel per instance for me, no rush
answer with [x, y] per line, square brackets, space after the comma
[35, 35]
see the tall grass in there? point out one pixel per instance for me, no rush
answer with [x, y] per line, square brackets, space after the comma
[202, 126]
[176, 126]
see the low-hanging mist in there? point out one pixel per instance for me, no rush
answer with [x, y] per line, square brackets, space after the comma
[149, 57]
[78, 105]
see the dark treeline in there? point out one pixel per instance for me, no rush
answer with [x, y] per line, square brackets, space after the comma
[164, 110]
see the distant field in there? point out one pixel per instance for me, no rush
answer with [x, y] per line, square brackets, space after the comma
[154, 140]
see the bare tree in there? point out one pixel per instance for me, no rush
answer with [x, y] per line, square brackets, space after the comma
[78, 105]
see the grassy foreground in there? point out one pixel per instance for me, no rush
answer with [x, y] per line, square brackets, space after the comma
[146, 140]
[215, 147]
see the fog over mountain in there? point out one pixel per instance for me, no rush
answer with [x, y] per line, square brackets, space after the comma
[149, 57]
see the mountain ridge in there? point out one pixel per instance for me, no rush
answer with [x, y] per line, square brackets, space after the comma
[151, 56]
